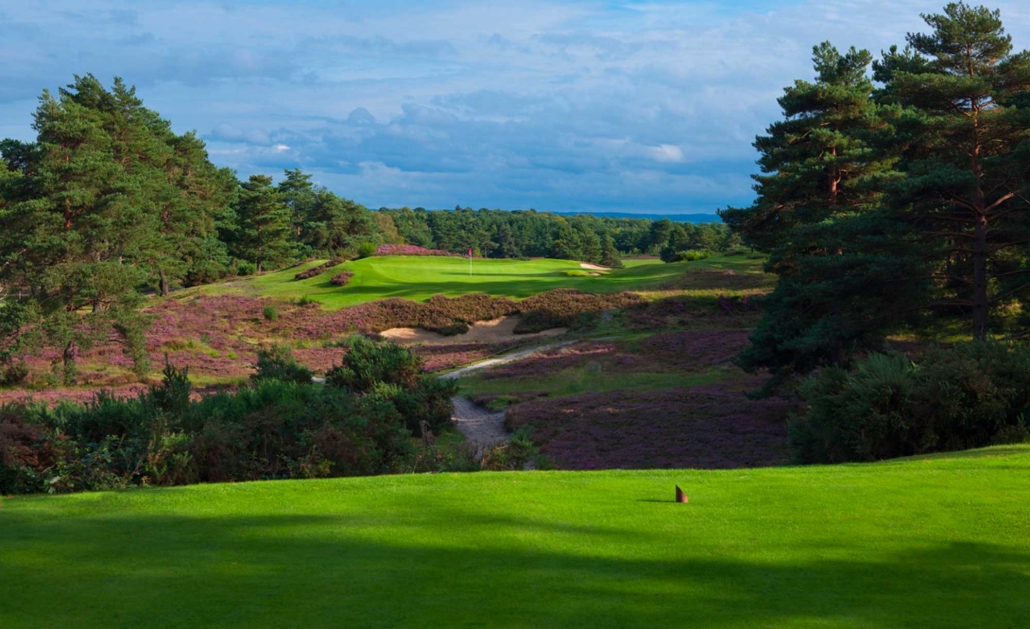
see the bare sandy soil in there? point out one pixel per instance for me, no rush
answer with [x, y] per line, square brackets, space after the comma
[593, 267]
[479, 424]
[496, 331]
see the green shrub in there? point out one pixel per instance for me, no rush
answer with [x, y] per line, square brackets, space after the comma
[389, 373]
[972, 395]
[369, 363]
[270, 313]
[278, 363]
[366, 249]
[691, 255]
[245, 268]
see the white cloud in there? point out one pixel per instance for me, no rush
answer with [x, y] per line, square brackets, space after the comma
[559, 105]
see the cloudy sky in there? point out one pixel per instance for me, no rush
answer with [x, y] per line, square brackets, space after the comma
[561, 105]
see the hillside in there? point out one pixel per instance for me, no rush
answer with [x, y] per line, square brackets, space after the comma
[421, 277]
[940, 541]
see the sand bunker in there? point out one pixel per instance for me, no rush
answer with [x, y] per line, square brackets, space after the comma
[593, 267]
[496, 331]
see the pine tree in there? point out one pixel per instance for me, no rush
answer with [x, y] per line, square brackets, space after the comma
[966, 190]
[817, 163]
[265, 233]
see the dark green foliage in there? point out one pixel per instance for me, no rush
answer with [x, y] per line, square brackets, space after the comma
[369, 362]
[278, 363]
[390, 374]
[265, 230]
[973, 395]
[270, 313]
[522, 234]
[281, 427]
[895, 209]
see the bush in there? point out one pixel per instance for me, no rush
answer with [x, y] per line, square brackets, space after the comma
[691, 255]
[280, 427]
[341, 279]
[366, 249]
[318, 270]
[245, 268]
[270, 313]
[390, 374]
[969, 396]
[278, 363]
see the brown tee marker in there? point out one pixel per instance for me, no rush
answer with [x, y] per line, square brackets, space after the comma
[680, 496]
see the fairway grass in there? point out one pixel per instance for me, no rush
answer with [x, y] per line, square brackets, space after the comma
[420, 277]
[936, 542]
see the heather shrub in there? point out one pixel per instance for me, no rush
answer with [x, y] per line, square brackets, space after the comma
[568, 308]
[13, 374]
[968, 396]
[341, 279]
[278, 363]
[318, 270]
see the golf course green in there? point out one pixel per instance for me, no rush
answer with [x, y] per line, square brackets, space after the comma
[420, 277]
[934, 542]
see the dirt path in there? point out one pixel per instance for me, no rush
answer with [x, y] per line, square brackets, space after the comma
[501, 360]
[479, 424]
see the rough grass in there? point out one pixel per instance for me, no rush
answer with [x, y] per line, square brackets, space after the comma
[936, 542]
[420, 277]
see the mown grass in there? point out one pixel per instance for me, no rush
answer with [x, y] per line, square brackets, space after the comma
[420, 277]
[937, 542]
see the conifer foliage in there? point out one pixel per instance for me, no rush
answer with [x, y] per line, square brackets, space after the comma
[895, 206]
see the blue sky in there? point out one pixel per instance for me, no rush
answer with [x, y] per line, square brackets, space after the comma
[562, 106]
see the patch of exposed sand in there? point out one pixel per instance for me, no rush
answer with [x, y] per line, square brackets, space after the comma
[496, 331]
[593, 267]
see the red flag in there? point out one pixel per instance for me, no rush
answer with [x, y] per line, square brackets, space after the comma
[470, 252]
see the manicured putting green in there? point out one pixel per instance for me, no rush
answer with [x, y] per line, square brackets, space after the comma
[421, 277]
[938, 542]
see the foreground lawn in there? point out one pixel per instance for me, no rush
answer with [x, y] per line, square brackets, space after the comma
[421, 277]
[937, 542]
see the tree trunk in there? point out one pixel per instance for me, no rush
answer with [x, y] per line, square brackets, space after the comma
[980, 280]
[163, 283]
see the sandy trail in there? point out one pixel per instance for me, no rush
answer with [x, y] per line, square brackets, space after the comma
[479, 424]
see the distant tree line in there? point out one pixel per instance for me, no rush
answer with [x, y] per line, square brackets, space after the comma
[894, 196]
[531, 234]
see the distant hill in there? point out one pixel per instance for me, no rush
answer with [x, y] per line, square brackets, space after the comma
[679, 218]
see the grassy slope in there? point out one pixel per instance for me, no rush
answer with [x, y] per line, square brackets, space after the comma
[420, 277]
[939, 542]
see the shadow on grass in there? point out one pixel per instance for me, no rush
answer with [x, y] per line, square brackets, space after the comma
[311, 570]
